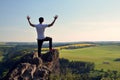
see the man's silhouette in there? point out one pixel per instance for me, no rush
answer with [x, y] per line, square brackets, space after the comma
[40, 28]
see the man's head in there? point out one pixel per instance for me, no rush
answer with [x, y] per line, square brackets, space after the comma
[41, 19]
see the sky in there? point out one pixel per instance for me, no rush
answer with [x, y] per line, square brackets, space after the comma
[79, 20]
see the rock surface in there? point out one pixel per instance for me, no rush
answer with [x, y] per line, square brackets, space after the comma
[32, 67]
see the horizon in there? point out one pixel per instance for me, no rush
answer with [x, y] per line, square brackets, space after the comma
[59, 42]
[78, 20]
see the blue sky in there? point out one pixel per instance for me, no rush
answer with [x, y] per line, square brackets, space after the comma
[79, 20]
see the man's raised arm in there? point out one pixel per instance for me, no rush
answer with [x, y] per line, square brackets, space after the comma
[53, 21]
[28, 18]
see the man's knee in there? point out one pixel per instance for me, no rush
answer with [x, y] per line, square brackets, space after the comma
[49, 38]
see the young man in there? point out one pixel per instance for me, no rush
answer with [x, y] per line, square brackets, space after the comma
[40, 28]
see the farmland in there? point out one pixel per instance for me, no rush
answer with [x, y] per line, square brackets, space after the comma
[103, 56]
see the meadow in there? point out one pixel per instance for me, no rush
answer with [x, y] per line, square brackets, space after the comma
[103, 56]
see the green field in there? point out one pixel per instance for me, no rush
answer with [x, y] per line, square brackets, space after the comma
[102, 55]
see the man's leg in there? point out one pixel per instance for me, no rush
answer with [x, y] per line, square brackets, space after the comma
[50, 42]
[40, 42]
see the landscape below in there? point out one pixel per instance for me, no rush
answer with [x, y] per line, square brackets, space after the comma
[104, 57]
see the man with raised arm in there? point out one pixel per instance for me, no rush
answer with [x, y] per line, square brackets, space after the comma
[40, 28]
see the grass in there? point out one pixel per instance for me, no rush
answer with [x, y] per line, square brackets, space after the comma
[102, 55]
[1, 57]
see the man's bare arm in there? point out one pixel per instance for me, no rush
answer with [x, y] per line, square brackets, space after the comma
[28, 18]
[53, 21]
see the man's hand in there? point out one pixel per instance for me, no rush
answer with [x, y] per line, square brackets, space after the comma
[56, 17]
[53, 21]
[28, 17]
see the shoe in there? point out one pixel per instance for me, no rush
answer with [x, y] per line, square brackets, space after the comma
[39, 55]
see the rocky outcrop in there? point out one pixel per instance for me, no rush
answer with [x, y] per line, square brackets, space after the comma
[32, 67]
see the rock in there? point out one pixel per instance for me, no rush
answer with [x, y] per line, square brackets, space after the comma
[32, 67]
